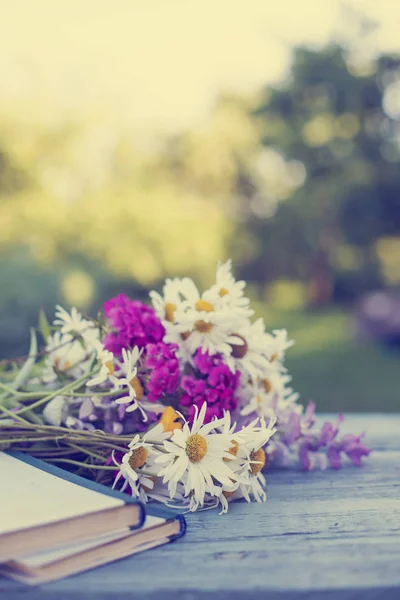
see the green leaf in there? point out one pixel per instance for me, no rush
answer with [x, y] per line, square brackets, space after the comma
[25, 371]
[44, 326]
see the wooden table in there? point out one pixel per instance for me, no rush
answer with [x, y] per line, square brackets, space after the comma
[330, 535]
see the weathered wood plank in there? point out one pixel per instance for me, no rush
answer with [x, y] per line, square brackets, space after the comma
[331, 534]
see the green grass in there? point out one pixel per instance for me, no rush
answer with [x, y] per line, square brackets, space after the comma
[330, 366]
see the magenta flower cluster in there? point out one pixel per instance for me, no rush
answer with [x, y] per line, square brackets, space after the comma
[212, 381]
[133, 324]
[164, 370]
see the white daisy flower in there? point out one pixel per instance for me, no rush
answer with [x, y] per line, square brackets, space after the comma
[254, 436]
[248, 460]
[155, 435]
[171, 300]
[196, 456]
[158, 491]
[252, 457]
[263, 397]
[127, 472]
[75, 324]
[228, 293]
[250, 357]
[176, 334]
[138, 466]
[106, 361]
[128, 377]
[72, 322]
[212, 331]
[254, 483]
[277, 344]
[64, 354]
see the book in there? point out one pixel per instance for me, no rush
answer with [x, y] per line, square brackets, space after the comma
[61, 562]
[54, 523]
[43, 506]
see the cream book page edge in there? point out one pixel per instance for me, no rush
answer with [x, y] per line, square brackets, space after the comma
[30, 497]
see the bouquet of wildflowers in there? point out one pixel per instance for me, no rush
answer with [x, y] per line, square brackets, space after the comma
[186, 401]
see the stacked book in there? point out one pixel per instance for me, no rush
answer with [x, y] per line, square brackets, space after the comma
[54, 523]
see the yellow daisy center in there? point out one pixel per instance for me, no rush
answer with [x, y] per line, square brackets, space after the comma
[170, 309]
[267, 385]
[204, 305]
[168, 419]
[239, 351]
[138, 388]
[57, 364]
[196, 447]
[259, 457]
[203, 327]
[138, 457]
[185, 335]
[223, 292]
[233, 450]
[110, 367]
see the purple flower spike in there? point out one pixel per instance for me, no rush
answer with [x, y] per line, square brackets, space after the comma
[293, 429]
[354, 449]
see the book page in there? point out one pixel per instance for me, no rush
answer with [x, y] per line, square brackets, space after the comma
[48, 556]
[30, 497]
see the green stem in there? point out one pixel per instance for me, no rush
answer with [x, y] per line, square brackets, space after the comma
[86, 395]
[12, 415]
[59, 392]
[10, 390]
[112, 446]
[86, 451]
[49, 453]
[81, 464]
[27, 440]
[34, 418]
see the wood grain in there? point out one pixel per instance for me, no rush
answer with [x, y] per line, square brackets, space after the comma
[334, 535]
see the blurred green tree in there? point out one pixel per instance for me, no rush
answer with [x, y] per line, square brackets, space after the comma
[336, 124]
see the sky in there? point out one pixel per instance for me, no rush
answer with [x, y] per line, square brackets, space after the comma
[158, 65]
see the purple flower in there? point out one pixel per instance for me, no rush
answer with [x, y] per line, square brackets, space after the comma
[134, 324]
[333, 456]
[354, 449]
[164, 370]
[304, 453]
[212, 381]
[293, 428]
[329, 431]
[322, 447]
[309, 417]
[192, 386]
[204, 362]
[309, 455]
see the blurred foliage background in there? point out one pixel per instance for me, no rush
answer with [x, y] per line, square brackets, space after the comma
[297, 179]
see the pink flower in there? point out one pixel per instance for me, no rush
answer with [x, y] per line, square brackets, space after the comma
[133, 324]
[164, 370]
[213, 382]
